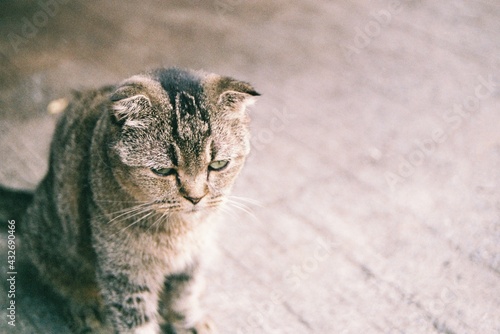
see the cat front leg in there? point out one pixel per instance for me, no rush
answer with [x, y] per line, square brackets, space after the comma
[180, 307]
[132, 307]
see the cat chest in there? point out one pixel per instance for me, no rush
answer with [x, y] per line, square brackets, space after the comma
[164, 253]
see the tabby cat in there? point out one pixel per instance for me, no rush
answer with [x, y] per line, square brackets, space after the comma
[120, 224]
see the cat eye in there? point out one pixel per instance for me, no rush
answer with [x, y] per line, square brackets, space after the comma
[218, 164]
[163, 171]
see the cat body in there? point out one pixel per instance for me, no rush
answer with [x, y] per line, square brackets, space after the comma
[121, 223]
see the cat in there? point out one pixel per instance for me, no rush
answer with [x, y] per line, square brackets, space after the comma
[121, 223]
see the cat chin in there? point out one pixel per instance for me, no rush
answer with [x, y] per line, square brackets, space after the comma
[198, 213]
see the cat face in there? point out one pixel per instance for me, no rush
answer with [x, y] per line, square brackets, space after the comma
[181, 137]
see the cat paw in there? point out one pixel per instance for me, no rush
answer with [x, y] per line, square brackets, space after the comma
[204, 327]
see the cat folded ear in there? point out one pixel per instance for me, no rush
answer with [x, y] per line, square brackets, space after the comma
[127, 103]
[235, 95]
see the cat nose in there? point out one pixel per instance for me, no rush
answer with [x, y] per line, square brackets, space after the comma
[194, 200]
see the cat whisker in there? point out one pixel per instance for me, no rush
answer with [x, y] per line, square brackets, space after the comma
[147, 209]
[158, 221]
[216, 199]
[239, 205]
[114, 201]
[242, 207]
[229, 211]
[136, 222]
[141, 214]
[131, 208]
[247, 200]
[129, 213]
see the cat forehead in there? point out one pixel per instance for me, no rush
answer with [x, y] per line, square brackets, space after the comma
[190, 117]
[174, 88]
[178, 103]
[187, 102]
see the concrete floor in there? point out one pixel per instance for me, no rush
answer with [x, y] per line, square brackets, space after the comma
[376, 151]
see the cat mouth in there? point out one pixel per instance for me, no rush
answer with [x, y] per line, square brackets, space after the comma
[206, 207]
[194, 208]
[202, 207]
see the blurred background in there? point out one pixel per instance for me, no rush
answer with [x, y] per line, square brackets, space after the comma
[371, 194]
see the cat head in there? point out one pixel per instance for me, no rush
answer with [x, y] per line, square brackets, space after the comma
[180, 137]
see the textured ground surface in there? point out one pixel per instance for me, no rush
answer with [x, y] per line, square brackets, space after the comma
[376, 151]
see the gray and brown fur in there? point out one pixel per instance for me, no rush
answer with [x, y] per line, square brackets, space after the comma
[121, 243]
